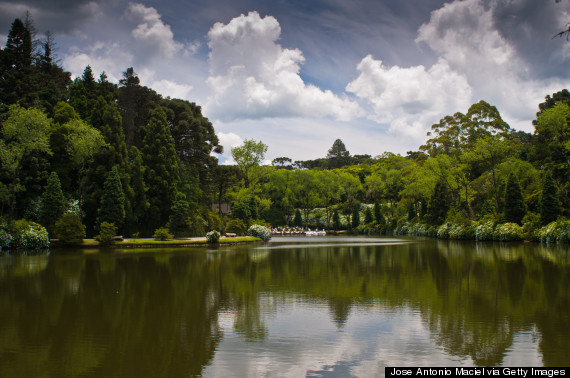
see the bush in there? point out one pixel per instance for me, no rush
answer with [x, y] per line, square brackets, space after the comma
[555, 232]
[443, 230]
[28, 235]
[531, 226]
[462, 232]
[69, 229]
[259, 231]
[236, 226]
[106, 233]
[162, 234]
[508, 232]
[213, 236]
[5, 237]
[484, 231]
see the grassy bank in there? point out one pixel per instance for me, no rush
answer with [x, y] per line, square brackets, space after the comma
[152, 243]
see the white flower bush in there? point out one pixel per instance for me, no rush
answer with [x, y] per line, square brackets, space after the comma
[213, 236]
[5, 238]
[508, 232]
[33, 237]
[555, 232]
[258, 231]
[484, 231]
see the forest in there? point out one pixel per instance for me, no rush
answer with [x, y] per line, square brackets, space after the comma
[82, 153]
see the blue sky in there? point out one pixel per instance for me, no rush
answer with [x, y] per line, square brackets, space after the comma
[300, 74]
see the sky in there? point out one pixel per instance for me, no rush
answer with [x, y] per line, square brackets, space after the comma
[299, 74]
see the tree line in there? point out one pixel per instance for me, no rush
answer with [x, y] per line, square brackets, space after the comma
[88, 151]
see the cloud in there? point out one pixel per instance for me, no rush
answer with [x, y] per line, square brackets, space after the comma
[409, 98]
[253, 77]
[155, 37]
[101, 56]
[229, 140]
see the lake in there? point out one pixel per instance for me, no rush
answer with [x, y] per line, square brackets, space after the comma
[293, 307]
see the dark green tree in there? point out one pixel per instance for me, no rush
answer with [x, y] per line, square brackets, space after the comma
[298, 220]
[356, 215]
[161, 168]
[53, 202]
[179, 214]
[338, 156]
[139, 202]
[112, 209]
[336, 220]
[378, 214]
[368, 216]
[439, 203]
[515, 208]
[69, 229]
[549, 202]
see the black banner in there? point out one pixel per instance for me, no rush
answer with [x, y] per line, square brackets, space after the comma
[518, 372]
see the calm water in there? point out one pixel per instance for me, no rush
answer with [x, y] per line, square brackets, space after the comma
[295, 307]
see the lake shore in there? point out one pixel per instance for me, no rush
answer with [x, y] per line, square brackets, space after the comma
[152, 243]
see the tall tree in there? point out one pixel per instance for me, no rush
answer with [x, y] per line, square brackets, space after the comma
[161, 172]
[248, 156]
[439, 204]
[112, 208]
[515, 208]
[53, 203]
[338, 156]
[549, 202]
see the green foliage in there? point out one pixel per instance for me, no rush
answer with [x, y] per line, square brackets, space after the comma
[298, 220]
[53, 203]
[28, 235]
[531, 226]
[5, 236]
[555, 232]
[549, 203]
[69, 229]
[179, 214]
[515, 208]
[336, 220]
[214, 220]
[439, 204]
[248, 156]
[162, 234]
[378, 213]
[259, 231]
[106, 233]
[112, 208]
[213, 236]
[368, 216]
[355, 215]
[508, 232]
[236, 226]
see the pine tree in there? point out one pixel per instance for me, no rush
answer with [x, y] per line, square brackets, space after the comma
[368, 216]
[356, 216]
[336, 220]
[112, 208]
[53, 202]
[515, 208]
[549, 202]
[180, 212]
[378, 214]
[298, 220]
[439, 203]
[161, 173]
[139, 202]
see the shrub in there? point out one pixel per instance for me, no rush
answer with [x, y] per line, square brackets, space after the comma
[162, 234]
[484, 231]
[213, 236]
[531, 226]
[462, 232]
[443, 230]
[259, 231]
[28, 235]
[5, 238]
[106, 233]
[555, 232]
[69, 229]
[508, 232]
[236, 226]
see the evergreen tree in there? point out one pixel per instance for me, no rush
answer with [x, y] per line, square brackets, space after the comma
[378, 213]
[356, 216]
[515, 208]
[411, 211]
[439, 203]
[139, 202]
[368, 216]
[53, 202]
[161, 173]
[112, 208]
[180, 212]
[298, 220]
[549, 202]
[336, 220]
[16, 79]
[338, 156]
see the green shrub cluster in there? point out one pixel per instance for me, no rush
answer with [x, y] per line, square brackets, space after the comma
[555, 232]
[485, 231]
[27, 235]
[213, 236]
[508, 232]
[69, 229]
[162, 234]
[106, 233]
[259, 231]
[236, 226]
[5, 237]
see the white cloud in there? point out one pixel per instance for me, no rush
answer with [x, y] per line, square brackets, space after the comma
[252, 76]
[410, 98]
[101, 56]
[156, 38]
[229, 140]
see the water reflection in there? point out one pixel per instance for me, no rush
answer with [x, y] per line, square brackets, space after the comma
[291, 307]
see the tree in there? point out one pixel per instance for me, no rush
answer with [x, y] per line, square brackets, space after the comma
[337, 155]
[439, 204]
[549, 202]
[336, 220]
[139, 202]
[356, 215]
[25, 133]
[53, 202]
[69, 229]
[112, 208]
[368, 216]
[179, 214]
[298, 220]
[378, 214]
[16, 80]
[515, 208]
[162, 170]
[248, 156]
